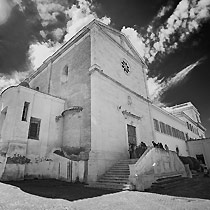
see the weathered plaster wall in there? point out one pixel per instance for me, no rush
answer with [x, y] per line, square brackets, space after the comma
[109, 141]
[108, 55]
[200, 147]
[109, 125]
[56, 167]
[76, 90]
[15, 143]
[171, 141]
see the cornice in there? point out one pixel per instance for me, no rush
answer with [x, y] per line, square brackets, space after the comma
[96, 68]
[168, 113]
[182, 113]
[139, 60]
[129, 114]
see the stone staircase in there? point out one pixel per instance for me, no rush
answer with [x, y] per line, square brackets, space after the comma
[116, 178]
[167, 183]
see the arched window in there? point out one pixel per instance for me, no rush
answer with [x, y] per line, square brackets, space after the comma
[66, 70]
[64, 74]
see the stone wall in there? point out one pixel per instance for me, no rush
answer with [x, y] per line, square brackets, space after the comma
[172, 142]
[153, 164]
[75, 89]
[200, 147]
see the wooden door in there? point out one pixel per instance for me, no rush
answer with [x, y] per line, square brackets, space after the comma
[131, 134]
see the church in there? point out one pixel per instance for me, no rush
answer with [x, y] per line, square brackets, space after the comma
[76, 115]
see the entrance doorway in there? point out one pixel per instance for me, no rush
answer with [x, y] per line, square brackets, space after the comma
[131, 134]
[132, 141]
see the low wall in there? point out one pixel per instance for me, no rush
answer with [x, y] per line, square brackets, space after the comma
[14, 159]
[56, 167]
[14, 165]
[154, 163]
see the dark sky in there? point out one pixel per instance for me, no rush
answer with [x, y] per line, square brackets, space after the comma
[196, 87]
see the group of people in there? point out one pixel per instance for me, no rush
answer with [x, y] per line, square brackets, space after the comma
[137, 151]
[160, 145]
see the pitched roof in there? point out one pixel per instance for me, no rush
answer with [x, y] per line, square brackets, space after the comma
[116, 35]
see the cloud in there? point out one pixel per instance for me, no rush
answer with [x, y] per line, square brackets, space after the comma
[158, 87]
[135, 39]
[81, 15]
[40, 52]
[186, 19]
[41, 26]
[5, 10]
[11, 80]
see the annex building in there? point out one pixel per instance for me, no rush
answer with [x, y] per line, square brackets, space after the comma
[86, 103]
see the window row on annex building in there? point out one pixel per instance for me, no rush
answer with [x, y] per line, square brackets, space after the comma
[169, 130]
[192, 128]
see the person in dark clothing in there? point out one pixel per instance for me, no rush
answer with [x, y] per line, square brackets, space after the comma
[131, 149]
[166, 148]
[154, 144]
[160, 146]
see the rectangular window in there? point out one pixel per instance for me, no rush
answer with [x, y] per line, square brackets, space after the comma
[188, 125]
[25, 111]
[156, 124]
[161, 127]
[168, 129]
[173, 132]
[34, 128]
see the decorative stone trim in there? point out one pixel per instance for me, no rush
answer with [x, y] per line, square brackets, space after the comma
[95, 67]
[129, 114]
[57, 118]
[72, 109]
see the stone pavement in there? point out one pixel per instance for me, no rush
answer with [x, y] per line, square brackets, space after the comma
[14, 198]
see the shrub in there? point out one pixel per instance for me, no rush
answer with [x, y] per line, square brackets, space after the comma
[187, 160]
[196, 164]
[193, 163]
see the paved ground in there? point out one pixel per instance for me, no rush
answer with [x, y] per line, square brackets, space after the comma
[52, 194]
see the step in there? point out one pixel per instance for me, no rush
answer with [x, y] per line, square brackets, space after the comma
[168, 176]
[113, 180]
[119, 172]
[119, 169]
[115, 176]
[169, 185]
[165, 181]
[107, 186]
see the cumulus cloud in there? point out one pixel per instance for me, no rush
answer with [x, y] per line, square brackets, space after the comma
[40, 52]
[173, 25]
[5, 10]
[187, 18]
[11, 80]
[41, 26]
[135, 39]
[81, 15]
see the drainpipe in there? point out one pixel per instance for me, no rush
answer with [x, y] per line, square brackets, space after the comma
[147, 92]
[50, 76]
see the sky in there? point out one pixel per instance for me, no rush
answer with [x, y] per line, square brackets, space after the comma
[172, 36]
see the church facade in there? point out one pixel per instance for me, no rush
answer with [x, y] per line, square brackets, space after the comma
[88, 101]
